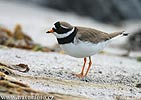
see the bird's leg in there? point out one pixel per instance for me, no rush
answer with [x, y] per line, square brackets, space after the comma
[90, 63]
[82, 72]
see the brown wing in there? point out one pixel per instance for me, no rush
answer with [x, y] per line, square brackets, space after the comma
[92, 35]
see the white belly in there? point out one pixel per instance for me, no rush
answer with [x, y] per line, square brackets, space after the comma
[83, 49]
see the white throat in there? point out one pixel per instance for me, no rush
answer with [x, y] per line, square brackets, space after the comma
[64, 34]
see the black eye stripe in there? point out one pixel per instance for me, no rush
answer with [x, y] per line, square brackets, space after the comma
[54, 29]
[57, 24]
[60, 30]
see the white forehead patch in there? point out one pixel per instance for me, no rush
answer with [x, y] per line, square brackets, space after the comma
[54, 27]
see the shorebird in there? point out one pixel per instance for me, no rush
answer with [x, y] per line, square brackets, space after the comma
[81, 42]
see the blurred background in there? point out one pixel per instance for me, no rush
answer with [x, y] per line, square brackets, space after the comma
[111, 11]
[37, 16]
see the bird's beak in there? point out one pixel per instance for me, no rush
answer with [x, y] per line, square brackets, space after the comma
[50, 31]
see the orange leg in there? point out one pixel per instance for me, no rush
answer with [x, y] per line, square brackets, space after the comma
[82, 72]
[90, 63]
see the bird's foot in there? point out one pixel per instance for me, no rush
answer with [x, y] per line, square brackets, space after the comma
[79, 75]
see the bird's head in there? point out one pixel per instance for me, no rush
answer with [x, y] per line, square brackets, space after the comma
[61, 29]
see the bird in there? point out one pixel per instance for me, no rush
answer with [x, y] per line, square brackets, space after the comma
[81, 42]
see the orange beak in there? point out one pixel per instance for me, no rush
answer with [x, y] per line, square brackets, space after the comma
[50, 31]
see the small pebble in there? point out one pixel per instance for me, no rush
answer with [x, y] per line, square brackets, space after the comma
[100, 72]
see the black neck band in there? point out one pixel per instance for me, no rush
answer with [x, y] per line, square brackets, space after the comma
[69, 38]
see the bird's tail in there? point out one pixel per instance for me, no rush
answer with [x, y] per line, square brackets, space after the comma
[123, 33]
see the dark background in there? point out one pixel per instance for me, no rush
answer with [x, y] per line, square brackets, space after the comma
[107, 11]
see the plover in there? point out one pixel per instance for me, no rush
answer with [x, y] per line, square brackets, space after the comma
[81, 42]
